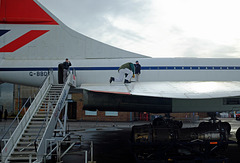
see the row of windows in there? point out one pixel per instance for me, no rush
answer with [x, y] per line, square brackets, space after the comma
[191, 68]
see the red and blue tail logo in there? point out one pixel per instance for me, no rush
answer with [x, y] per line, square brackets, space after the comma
[22, 12]
[22, 40]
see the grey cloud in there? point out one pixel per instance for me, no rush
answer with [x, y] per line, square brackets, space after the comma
[87, 12]
[89, 17]
[195, 47]
[176, 30]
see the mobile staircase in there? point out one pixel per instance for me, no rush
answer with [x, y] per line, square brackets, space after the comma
[28, 142]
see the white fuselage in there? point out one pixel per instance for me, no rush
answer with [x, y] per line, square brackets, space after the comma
[33, 72]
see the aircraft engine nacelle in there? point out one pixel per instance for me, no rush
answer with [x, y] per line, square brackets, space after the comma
[121, 102]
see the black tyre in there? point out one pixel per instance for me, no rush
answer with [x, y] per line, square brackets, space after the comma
[238, 135]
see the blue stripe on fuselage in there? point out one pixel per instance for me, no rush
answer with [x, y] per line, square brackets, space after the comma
[185, 68]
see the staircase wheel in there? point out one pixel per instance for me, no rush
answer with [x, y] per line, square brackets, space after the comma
[227, 127]
[238, 135]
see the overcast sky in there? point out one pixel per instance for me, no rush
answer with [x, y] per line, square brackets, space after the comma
[157, 28]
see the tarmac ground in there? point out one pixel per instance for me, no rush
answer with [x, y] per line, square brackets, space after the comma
[111, 140]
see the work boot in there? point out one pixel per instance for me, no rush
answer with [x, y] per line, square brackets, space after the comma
[126, 81]
[111, 79]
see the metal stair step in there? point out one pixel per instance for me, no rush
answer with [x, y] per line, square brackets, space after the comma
[49, 100]
[21, 158]
[41, 116]
[44, 108]
[30, 134]
[56, 89]
[38, 119]
[53, 87]
[36, 122]
[25, 148]
[32, 130]
[44, 112]
[36, 125]
[25, 134]
[25, 143]
[34, 135]
[53, 94]
[52, 98]
[29, 138]
[25, 153]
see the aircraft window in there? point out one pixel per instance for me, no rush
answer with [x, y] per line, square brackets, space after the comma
[195, 68]
[170, 68]
[154, 68]
[231, 101]
[179, 68]
[162, 68]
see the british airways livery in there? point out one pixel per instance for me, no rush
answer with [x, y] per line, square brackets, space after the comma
[33, 41]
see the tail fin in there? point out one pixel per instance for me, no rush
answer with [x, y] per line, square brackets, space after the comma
[29, 31]
[23, 12]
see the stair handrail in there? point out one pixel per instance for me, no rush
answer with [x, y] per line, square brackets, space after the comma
[15, 119]
[26, 118]
[73, 81]
[19, 112]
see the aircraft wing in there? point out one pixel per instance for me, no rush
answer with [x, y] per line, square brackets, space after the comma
[178, 90]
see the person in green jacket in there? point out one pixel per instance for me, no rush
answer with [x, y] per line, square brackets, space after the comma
[127, 68]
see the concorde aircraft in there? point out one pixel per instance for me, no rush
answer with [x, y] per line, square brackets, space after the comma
[33, 40]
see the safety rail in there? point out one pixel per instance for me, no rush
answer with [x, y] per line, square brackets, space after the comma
[72, 81]
[53, 120]
[51, 143]
[16, 119]
[26, 118]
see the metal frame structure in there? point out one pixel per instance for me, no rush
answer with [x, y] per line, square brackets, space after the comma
[47, 126]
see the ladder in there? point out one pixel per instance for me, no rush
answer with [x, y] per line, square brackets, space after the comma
[28, 141]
